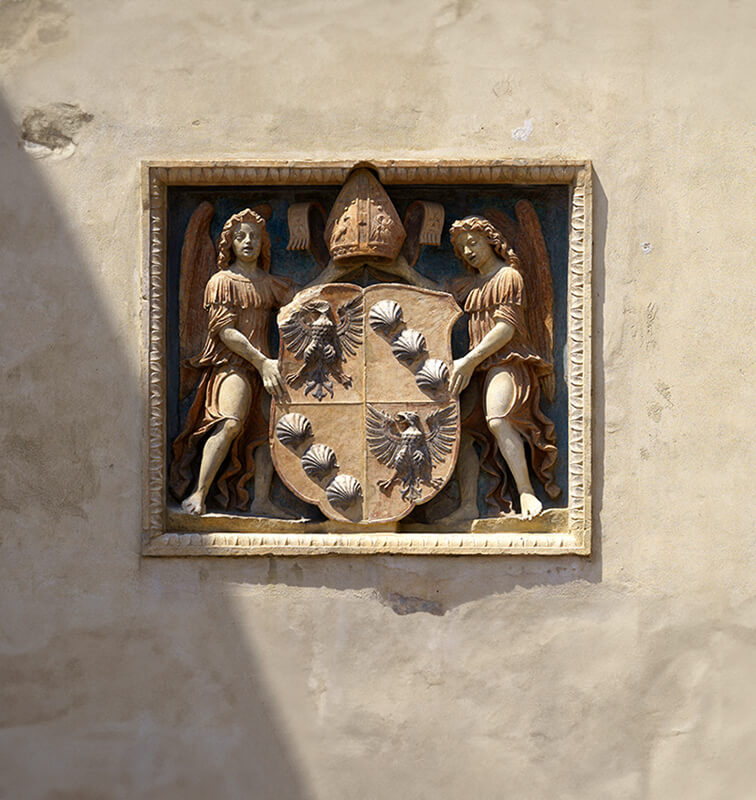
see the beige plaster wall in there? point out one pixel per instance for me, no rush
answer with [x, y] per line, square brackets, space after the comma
[629, 675]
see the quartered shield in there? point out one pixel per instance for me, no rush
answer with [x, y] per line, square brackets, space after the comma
[368, 429]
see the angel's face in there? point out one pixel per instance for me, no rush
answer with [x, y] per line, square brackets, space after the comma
[475, 249]
[247, 242]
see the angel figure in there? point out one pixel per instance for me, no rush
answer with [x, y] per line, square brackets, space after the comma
[226, 430]
[509, 303]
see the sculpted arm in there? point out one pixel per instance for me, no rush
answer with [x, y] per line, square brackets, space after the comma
[238, 343]
[494, 340]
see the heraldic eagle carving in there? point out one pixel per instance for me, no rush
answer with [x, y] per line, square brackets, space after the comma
[401, 443]
[313, 335]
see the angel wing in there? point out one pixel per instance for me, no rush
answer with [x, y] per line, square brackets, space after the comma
[531, 248]
[506, 225]
[383, 436]
[198, 263]
[442, 432]
[296, 333]
[526, 237]
[423, 223]
[198, 259]
[306, 229]
[350, 326]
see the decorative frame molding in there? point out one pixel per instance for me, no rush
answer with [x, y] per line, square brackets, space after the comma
[555, 532]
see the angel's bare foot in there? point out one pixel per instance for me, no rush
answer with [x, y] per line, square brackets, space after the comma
[530, 505]
[267, 508]
[194, 504]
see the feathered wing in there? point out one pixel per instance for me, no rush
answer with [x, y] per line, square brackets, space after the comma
[526, 238]
[506, 225]
[198, 261]
[383, 436]
[296, 333]
[350, 327]
[442, 433]
[539, 309]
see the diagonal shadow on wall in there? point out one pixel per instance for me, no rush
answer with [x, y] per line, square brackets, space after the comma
[115, 681]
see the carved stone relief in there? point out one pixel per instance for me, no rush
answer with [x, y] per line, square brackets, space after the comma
[350, 358]
[379, 426]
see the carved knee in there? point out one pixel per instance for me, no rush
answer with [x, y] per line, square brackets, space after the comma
[232, 427]
[498, 426]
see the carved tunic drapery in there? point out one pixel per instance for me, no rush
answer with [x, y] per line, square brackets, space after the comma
[501, 299]
[245, 304]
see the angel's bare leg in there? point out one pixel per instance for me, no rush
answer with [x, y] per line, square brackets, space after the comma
[500, 393]
[262, 505]
[468, 469]
[234, 397]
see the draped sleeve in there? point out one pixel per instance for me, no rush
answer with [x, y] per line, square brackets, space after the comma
[225, 298]
[244, 303]
[508, 300]
[220, 317]
[226, 289]
[500, 299]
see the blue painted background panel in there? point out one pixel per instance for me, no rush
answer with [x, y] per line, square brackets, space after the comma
[438, 263]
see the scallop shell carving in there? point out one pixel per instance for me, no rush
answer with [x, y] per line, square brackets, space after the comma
[318, 461]
[293, 430]
[408, 346]
[433, 376]
[343, 491]
[385, 316]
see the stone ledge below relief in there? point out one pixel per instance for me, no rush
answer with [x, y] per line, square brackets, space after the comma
[554, 520]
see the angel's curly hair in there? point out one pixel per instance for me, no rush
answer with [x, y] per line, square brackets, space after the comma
[494, 237]
[226, 255]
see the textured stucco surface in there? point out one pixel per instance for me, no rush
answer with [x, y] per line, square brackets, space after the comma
[629, 675]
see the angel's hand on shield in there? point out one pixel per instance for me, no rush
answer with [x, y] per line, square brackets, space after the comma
[461, 373]
[272, 378]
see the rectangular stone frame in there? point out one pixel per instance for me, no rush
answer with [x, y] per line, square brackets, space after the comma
[555, 532]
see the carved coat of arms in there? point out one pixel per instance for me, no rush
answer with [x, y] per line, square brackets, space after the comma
[369, 427]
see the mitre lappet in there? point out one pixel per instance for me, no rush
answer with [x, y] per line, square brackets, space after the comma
[363, 229]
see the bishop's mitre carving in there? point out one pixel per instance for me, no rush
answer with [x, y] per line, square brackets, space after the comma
[363, 223]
